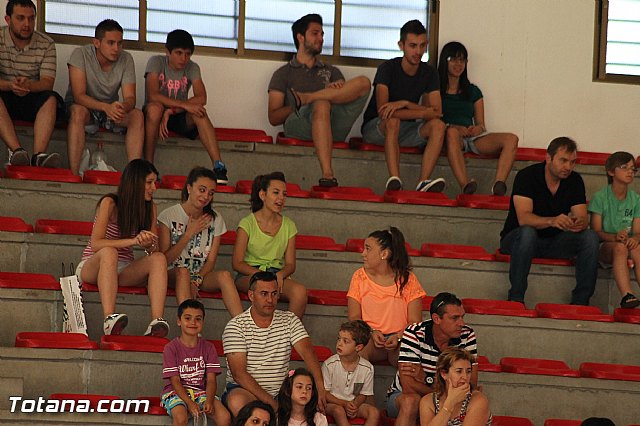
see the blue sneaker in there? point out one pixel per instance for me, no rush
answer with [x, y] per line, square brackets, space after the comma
[431, 185]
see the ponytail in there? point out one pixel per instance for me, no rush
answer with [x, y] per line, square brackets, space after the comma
[393, 240]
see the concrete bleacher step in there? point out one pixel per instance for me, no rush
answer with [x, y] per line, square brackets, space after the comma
[10, 386]
[47, 371]
[299, 163]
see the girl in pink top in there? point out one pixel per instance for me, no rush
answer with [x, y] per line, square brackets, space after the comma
[125, 220]
[298, 401]
[385, 294]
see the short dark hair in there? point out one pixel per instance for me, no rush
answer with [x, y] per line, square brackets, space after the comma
[179, 39]
[561, 142]
[106, 26]
[597, 421]
[360, 331]
[440, 302]
[24, 3]
[617, 159]
[302, 25]
[412, 27]
[190, 303]
[261, 276]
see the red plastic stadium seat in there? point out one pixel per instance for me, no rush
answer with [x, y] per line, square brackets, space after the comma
[133, 343]
[593, 158]
[327, 297]
[228, 238]
[610, 371]
[456, 251]
[531, 154]
[14, 224]
[93, 399]
[490, 202]
[631, 316]
[561, 422]
[352, 421]
[177, 182]
[314, 242]
[480, 156]
[356, 245]
[386, 420]
[322, 352]
[218, 345]
[572, 312]
[41, 173]
[426, 303]
[485, 365]
[242, 135]
[360, 145]
[501, 257]
[547, 367]
[54, 340]
[511, 421]
[68, 227]
[293, 189]
[417, 197]
[497, 307]
[281, 139]
[155, 406]
[348, 193]
[28, 280]
[121, 289]
[100, 177]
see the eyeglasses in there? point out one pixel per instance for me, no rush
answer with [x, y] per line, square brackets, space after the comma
[457, 59]
[626, 167]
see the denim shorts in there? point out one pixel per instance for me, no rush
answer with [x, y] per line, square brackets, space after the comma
[392, 409]
[469, 144]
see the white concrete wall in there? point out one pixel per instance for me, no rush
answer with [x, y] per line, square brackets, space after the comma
[532, 59]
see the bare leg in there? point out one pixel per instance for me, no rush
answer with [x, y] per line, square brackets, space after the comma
[7, 131]
[79, 116]
[296, 294]
[433, 131]
[221, 416]
[635, 256]
[180, 415]
[322, 135]
[370, 413]
[180, 279]
[152, 270]
[207, 135]
[505, 144]
[390, 128]
[349, 92]
[102, 268]
[338, 413]
[153, 118]
[43, 125]
[238, 398]
[408, 409]
[223, 281]
[455, 156]
[617, 254]
[134, 139]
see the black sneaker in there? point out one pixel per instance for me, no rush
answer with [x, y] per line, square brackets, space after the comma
[43, 159]
[629, 301]
[394, 184]
[19, 157]
[221, 175]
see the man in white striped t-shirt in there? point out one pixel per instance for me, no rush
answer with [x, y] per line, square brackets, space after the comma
[257, 344]
[420, 346]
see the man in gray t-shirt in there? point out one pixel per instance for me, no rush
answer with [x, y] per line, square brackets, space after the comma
[97, 73]
[168, 106]
[311, 99]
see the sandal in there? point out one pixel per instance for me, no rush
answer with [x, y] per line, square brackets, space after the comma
[629, 301]
[328, 182]
[294, 100]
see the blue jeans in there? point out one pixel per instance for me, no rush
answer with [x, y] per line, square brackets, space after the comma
[523, 244]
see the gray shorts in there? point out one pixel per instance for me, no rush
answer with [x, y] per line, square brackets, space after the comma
[469, 144]
[342, 118]
[409, 135]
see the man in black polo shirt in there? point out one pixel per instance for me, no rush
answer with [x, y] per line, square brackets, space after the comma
[548, 218]
[311, 99]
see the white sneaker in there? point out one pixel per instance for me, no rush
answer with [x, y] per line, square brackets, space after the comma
[393, 184]
[159, 327]
[114, 324]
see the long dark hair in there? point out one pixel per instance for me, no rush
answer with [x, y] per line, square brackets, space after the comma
[284, 399]
[247, 411]
[453, 49]
[194, 174]
[261, 183]
[134, 212]
[399, 258]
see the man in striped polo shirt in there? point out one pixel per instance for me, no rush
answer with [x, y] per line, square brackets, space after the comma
[257, 344]
[27, 74]
[420, 347]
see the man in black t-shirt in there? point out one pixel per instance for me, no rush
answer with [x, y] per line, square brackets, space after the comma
[548, 218]
[406, 108]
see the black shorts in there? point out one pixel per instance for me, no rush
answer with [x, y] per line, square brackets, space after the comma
[26, 107]
[178, 123]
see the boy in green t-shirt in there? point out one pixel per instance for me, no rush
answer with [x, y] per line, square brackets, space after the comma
[615, 216]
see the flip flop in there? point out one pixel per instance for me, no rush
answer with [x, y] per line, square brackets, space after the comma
[293, 100]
